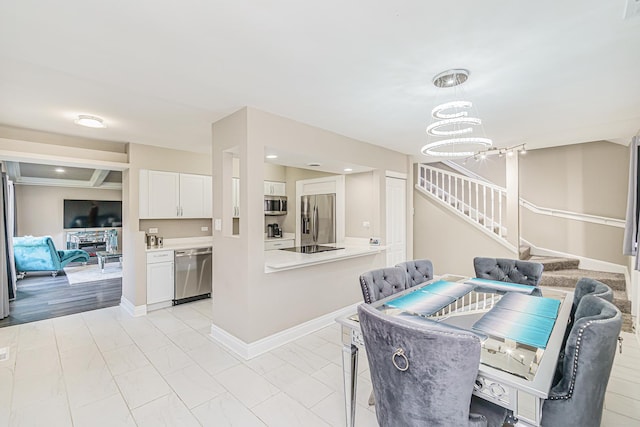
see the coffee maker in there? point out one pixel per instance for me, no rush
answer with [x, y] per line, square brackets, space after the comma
[274, 230]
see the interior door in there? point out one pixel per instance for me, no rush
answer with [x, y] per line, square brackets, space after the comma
[396, 240]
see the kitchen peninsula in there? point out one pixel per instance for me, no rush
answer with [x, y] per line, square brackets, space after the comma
[281, 260]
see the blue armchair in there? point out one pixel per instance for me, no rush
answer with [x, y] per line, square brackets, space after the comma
[40, 254]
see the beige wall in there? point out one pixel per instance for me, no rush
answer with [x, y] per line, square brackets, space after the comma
[361, 198]
[588, 178]
[591, 178]
[40, 208]
[249, 303]
[600, 242]
[275, 172]
[175, 228]
[449, 241]
[54, 139]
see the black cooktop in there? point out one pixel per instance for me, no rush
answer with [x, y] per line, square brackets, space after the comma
[311, 249]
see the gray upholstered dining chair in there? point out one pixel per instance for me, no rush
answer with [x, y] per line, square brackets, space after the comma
[418, 271]
[423, 372]
[508, 270]
[380, 283]
[577, 397]
[588, 286]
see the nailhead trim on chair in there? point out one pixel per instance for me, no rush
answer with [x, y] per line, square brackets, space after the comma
[575, 365]
[365, 290]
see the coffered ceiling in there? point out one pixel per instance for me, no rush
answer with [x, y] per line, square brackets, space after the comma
[543, 73]
[50, 175]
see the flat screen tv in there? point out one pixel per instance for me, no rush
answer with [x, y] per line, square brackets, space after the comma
[92, 213]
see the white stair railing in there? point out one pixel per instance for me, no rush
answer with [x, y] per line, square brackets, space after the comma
[481, 202]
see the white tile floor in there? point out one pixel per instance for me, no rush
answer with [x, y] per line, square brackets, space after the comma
[105, 368]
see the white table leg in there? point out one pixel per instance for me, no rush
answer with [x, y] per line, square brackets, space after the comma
[101, 263]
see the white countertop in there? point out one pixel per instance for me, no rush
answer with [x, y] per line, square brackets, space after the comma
[281, 260]
[285, 236]
[183, 243]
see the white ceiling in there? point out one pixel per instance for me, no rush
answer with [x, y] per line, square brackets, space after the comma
[546, 73]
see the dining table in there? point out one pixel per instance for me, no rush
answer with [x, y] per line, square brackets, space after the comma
[521, 329]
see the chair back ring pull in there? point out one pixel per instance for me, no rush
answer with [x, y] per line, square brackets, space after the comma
[404, 365]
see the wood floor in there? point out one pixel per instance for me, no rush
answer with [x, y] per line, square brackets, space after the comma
[41, 296]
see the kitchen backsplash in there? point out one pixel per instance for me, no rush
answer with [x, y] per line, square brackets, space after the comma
[175, 228]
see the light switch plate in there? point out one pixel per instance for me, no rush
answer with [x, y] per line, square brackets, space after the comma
[205, 228]
[217, 224]
[153, 230]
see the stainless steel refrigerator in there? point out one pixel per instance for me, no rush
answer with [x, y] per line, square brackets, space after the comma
[317, 219]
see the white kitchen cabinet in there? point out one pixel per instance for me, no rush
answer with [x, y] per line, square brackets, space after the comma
[159, 277]
[274, 188]
[195, 196]
[235, 196]
[174, 195]
[270, 245]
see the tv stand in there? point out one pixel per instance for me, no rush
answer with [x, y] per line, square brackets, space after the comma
[93, 241]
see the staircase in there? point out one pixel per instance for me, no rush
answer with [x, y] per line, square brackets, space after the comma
[565, 273]
[483, 204]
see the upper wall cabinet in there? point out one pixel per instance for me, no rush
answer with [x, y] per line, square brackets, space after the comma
[174, 195]
[273, 188]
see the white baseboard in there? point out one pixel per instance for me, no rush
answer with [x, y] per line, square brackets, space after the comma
[256, 348]
[135, 311]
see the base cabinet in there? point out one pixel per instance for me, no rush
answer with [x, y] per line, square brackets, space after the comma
[159, 276]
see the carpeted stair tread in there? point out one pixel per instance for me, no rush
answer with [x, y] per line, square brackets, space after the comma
[568, 278]
[556, 263]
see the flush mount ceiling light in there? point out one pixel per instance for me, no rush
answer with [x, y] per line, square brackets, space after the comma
[89, 121]
[348, 170]
[451, 119]
[271, 156]
[59, 170]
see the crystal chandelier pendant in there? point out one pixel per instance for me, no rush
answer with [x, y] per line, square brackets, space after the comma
[452, 120]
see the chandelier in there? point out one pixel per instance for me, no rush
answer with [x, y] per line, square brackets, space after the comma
[453, 123]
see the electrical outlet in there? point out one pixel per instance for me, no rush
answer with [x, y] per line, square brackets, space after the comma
[366, 224]
[4, 354]
[205, 228]
[153, 230]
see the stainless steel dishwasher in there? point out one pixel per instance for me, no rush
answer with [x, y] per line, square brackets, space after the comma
[193, 268]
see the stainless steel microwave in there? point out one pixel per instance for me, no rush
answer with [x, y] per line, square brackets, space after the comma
[275, 205]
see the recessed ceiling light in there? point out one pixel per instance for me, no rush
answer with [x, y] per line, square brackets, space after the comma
[89, 121]
[272, 156]
[348, 169]
[314, 164]
[59, 170]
